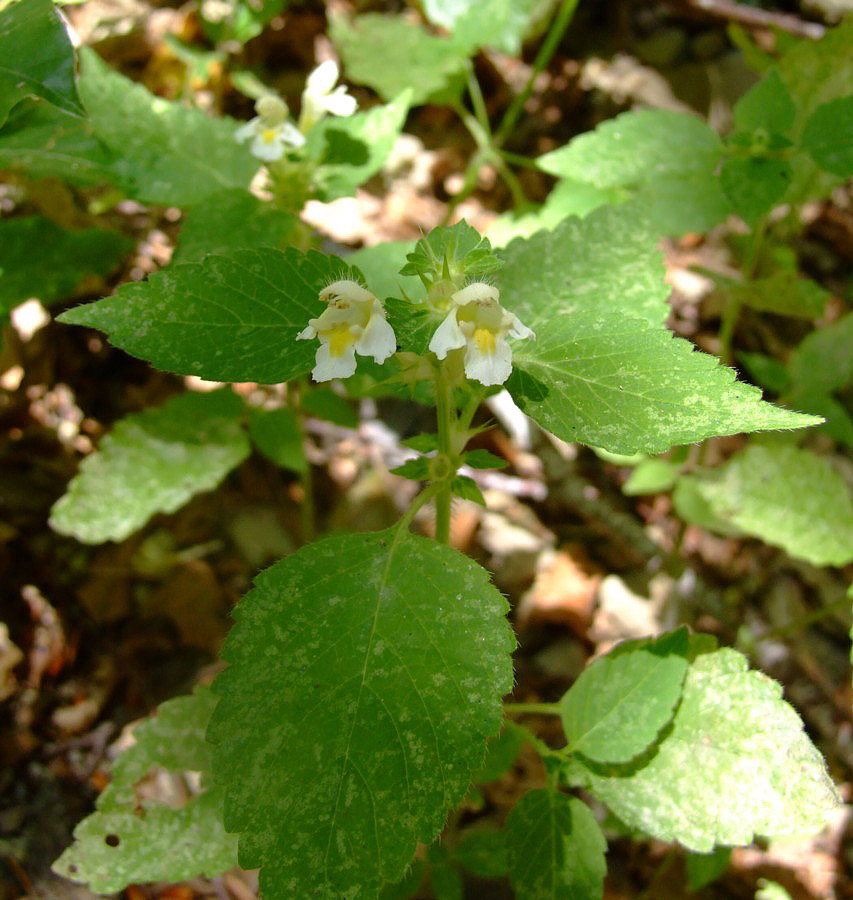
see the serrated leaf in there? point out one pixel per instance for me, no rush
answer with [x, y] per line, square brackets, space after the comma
[501, 24]
[482, 459]
[356, 147]
[414, 469]
[828, 136]
[734, 764]
[555, 848]
[226, 318]
[422, 443]
[344, 739]
[41, 259]
[132, 838]
[152, 461]
[482, 851]
[678, 204]
[704, 868]
[649, 477]
[458, 249]
[381, 265]
[44, 141]
[468, 489]
[501, 752]
[753, 492]
[691, 505]
[603, 370]
[767, 105]
[230, 220]
[445, 881]
[165, 152]
[783, 293]
[754, 185]
[390, 54]
[768, 372]
[618, 706]
[637, 147]
[276, 433]
[36, 56]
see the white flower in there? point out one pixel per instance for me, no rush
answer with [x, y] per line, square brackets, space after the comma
[479, 323]
[319, 98]
[269, 131]
[353, 322]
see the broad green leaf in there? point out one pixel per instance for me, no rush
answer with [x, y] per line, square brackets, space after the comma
[691, 505]
[637, 147]
[568, 198]
[165, 152]
[276, 433]
[618, 706]
[482, 851]
[36, 56]
[354, 148]
[704, 868]
[408, 885]
[753, 492]
[41, 259]
[365, 674]
[459, 250]
[501, 24]
[445, 880]
[243, 20]
[390, 54]
[501, 752]
[132, 838]
[768, 372]
[783, 293]
[44, 141]
[555, 848]
[152, 461]
[227, 318]
[231, 220]
[771, 890]
[468, 489]
[678, 204]
[767, 105]
[823, 363]
[603, 370]
[734, 764]
[754, 185]
[650, 477]
[828, 136]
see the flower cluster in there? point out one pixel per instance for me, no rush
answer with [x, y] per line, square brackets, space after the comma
[478, 323]
[353, 322]
[272, 133]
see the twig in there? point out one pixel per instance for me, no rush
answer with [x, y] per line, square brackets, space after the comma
[753, 17]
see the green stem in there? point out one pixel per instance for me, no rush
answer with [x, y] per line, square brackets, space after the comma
[522, 709]
[446, 421]
[479, 104]
[421, 500]
[543, 57]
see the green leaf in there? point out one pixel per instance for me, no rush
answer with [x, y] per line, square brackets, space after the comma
[414, 469]
[734, 764]
[422, 443]
[152, 461]
[455, 252]
[618, 706]
[501, 752]
[555, 848]
[276, 433]
[324, 403]
[783, 293]
[230, 220]
[691, 505]
[40, 259]
[227, 318]
[767, 372]
[390, 54]
[36, 56]
[703, 868]
[381, 265]
[44, 141]
[132, 838]
[753, 492]
[501, 24]
[445, 880]
[754, 185]
[365, 674]
[356, 147]
[468, 489]
[407, 886]
[767, 105]
[650, 477]
[482, 851]
[603, 370]
[679, 204]
[482, 459]
[636, 148]
[828, 136]
[165, 152]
